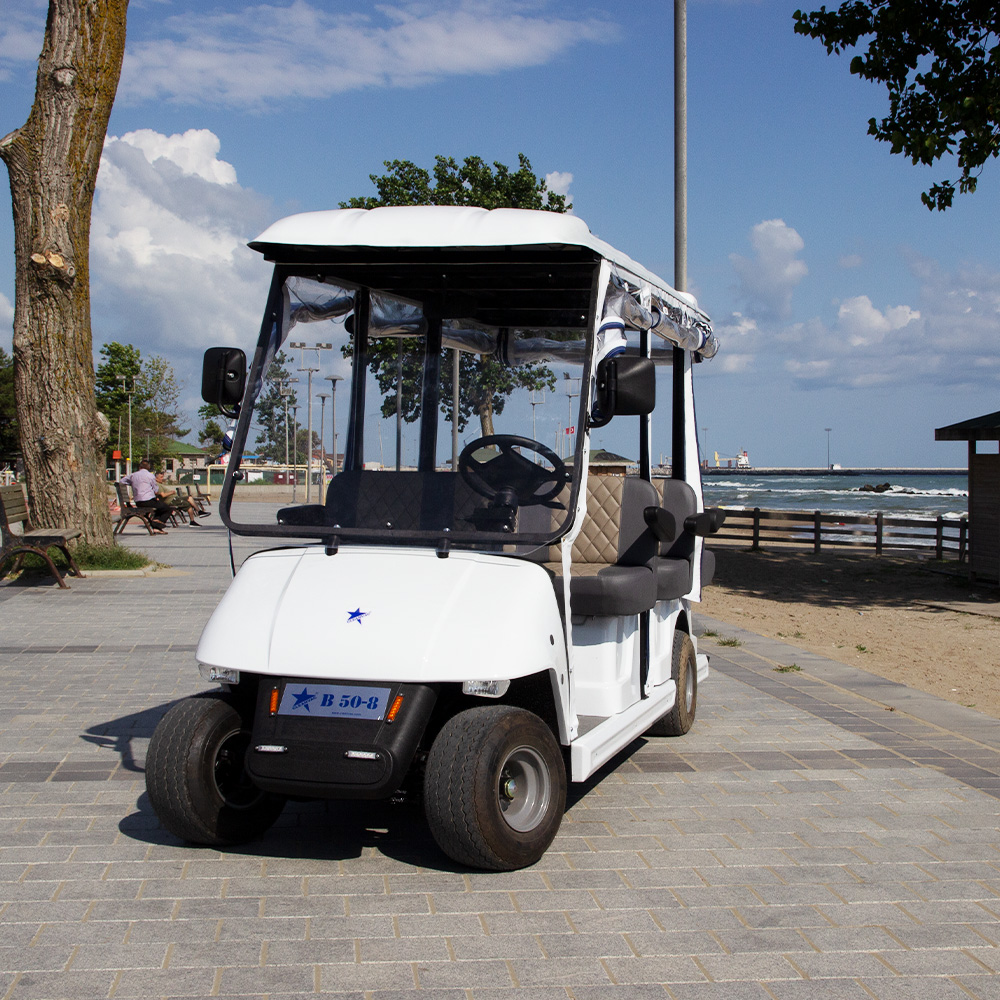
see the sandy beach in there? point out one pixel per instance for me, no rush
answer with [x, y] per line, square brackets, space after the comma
[895, 616]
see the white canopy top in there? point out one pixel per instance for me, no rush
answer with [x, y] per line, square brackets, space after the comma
[418, 226]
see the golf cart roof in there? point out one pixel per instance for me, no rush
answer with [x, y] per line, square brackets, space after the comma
[324, 236]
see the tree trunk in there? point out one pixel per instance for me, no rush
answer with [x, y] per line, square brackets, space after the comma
[52, 161]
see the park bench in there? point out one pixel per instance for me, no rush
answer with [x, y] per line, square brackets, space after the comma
[200, 500]
[128, 510]
[14, 510]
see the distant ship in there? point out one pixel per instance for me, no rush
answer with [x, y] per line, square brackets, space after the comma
[742, 461]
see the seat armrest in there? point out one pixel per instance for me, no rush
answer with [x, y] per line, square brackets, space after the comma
[661, 522]
[307, 514]
[706, 523]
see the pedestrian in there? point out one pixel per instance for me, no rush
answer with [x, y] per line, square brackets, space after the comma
[142, 482]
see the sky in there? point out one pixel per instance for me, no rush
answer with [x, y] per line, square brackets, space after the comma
[839, 300]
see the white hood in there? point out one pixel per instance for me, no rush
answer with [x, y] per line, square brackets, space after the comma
[386, 614]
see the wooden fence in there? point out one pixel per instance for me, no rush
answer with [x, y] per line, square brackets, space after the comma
[947, 537]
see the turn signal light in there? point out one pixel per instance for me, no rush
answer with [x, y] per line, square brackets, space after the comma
[394, 708]
[274, 701]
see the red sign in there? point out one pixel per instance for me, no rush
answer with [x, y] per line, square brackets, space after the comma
[116, 455]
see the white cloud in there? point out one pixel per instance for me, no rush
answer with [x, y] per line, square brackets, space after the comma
[948, 338]
[768, 279]
[849, 261]
[558, 182]
[864, 326]
[171, 272]
[6, 314]
[268, 52]
[21, 32]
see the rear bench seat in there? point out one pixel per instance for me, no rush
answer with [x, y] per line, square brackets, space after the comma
[619, 567]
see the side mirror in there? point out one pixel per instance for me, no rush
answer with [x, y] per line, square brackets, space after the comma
[223, 378]
[626, 387]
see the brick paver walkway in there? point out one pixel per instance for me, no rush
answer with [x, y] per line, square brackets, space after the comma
[820, 833]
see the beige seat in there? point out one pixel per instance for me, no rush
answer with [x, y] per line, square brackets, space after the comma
[614, 553]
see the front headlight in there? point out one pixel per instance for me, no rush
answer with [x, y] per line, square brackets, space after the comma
[221, 675]
[485, 689]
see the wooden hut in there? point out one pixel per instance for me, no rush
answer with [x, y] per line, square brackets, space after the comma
[984, 492]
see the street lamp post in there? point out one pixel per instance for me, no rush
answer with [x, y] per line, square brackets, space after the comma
[130, 392]
[333, 380]
[534, 403]
[828, 465]
[148, 430]
[323, 397]
[569, 409]
[284, 392]
[303, 347]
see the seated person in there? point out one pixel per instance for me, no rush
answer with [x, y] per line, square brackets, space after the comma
[143, 485]
[183, 504]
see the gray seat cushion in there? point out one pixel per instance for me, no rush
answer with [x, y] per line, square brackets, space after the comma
[614, 590]
[673, 577]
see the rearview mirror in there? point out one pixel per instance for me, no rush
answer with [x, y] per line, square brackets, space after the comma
[626, 387]
[223, 378]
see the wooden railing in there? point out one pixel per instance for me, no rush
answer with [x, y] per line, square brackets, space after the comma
[948, 537]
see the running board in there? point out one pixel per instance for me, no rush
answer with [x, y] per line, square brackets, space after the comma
[600, 744]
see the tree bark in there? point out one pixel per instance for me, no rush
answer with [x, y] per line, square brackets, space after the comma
[52, 162]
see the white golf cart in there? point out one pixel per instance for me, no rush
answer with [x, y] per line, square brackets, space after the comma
[473, 611]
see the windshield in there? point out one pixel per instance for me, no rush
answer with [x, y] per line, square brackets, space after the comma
[447, 416]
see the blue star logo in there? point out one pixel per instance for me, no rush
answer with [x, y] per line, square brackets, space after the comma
[302, 699]
[357, 615]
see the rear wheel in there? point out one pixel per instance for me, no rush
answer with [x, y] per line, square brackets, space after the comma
[196, 776]
[684, 673]
[495, 788]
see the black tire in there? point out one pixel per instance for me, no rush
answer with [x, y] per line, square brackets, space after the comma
[495, 788]
[684, 672]
[196, 775]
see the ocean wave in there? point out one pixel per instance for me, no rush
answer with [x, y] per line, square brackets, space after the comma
[746, 488]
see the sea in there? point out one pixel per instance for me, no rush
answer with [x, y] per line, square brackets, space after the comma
[918, 496]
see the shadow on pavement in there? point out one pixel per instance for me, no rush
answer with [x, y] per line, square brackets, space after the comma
[843, 579]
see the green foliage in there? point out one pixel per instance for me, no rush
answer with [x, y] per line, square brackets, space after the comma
[91, 557]
[269, 411]
[940, 62]
[484, 384]
[10, 441]
[472, 183]
[791, 668]
[155, 395]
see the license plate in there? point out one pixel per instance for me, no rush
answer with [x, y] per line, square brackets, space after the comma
[334, 701]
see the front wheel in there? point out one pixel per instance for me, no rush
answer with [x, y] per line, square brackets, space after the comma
[684, 673]
[196, 776]
[495, 788]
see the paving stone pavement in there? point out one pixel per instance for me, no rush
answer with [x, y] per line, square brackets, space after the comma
[820, 833]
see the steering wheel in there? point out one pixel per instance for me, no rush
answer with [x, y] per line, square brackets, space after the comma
[510, 470]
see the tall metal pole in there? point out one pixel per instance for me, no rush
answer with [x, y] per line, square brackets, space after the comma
[295, 451]
[323, 397]
[284, 392]
[309, 406]
[130, 392]
[456, 399]
[333, 380]
[680, 145]
[678, 460]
